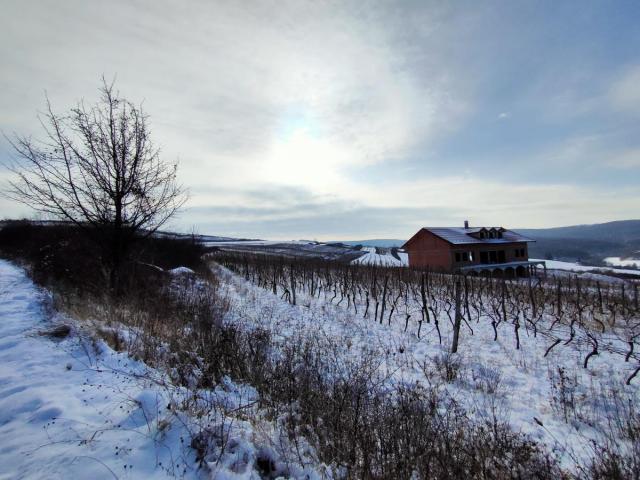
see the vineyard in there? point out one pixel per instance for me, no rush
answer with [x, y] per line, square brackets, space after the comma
[590, 317]
[555, 359]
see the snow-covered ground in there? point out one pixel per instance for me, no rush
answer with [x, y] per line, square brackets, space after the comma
[73, 408]
[576, 267]
[258, 243]
[383, 259]
[622, 262]
[254, 243]
[525, 380]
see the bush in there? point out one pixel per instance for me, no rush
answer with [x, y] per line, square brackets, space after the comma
[371, 429]
[55, 253]
[64, 256]
[448, 365]
[618, 456]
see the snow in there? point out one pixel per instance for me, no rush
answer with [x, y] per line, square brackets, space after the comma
[525, 377]
[576, 267]
[74, 408]
[181, 271]
[255, 243]
[622, 262]
[382, 259]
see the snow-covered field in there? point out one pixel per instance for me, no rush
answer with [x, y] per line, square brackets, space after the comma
[521, 385]
[291, 249]
[383, 259]
[73, 408]
[576, 267]
[622, 262]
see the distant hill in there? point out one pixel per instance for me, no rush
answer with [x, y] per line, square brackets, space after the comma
[586, 243]
[620, 231]
[375, 242]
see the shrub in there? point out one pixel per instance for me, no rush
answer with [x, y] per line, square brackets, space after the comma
[563, 392]
[448, 365]
[486, 379]
[61, 256]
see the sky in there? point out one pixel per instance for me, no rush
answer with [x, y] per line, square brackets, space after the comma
[352, 119]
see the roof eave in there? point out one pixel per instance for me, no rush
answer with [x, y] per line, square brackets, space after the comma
[404, 246]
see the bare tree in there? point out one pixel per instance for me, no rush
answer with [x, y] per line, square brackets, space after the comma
[97, 168]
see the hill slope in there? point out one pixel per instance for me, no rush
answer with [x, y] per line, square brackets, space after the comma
[586, 243]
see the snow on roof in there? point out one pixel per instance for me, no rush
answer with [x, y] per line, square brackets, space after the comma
[461, 235]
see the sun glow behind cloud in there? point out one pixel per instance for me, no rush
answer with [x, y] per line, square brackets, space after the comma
[307, 161]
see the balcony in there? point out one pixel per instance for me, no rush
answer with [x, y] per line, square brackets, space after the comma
[514, 269]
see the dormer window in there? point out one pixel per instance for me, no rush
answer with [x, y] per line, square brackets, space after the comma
[487, 233]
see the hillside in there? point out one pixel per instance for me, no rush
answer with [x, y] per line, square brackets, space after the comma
[376, 242]
[615, 232]
[586, 243]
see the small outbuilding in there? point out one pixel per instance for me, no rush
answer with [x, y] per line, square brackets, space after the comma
[480, 250]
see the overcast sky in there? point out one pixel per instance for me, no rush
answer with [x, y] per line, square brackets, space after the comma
[347, 120]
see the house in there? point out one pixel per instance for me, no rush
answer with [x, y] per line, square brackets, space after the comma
[481, 250]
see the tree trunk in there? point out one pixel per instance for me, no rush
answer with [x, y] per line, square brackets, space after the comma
[425, 310]
[293, 286]
[384, 298]
[458, 318]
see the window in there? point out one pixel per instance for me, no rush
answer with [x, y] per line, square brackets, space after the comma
[463, 256]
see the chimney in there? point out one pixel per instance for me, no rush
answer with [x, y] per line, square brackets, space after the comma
[466, 224]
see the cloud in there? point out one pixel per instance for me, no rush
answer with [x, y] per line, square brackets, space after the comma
[319, 222]
[294, 213]
[628, 159]
[310, 119]
[241, 92]
[625, 91]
